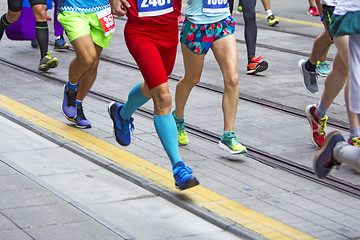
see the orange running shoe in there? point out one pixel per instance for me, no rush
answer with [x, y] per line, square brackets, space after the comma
[256, 66]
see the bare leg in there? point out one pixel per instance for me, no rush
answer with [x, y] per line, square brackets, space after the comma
[226, 56]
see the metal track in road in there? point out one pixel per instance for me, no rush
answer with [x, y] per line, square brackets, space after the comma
[256, 154]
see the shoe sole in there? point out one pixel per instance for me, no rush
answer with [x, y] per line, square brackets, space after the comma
[260, 68]
[274, 24]
[192, 182]
[309, 118]
[226, 148]
[82, 127]
[318, 171]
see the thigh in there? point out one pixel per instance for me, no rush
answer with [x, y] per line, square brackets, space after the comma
[226, 54]
[150, 62]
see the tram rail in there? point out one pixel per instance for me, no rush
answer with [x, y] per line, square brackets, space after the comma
[254, 153]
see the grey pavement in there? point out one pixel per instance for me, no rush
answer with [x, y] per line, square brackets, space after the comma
[49, 192]
[107, 204]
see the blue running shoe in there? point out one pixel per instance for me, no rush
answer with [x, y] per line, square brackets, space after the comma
[80, 119]
[183, 177]
[324, 160]
[122, 128]
[60, 43]
[68, 107]
[34, 43]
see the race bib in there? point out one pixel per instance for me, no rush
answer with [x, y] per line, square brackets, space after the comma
[216, 6]
[151, 8]
[107, 21]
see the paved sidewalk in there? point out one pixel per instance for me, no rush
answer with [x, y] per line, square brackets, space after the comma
[48, 192]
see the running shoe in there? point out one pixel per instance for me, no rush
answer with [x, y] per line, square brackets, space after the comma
[309, 78]
[324, 160]
[272, 21]
[182, 135]
[256, 66]
[68, 107]
[231, 144]
[313, 11]
[239, 9]
[183, 177]
[48, 18]
[122, 128]
[80, 119]
[60, 43]
[34, 43]
[355, 141]
[48, 62]
[317, 125]
[322, 68]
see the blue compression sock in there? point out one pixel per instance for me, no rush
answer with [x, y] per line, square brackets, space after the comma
[166, 129]
[135, 100]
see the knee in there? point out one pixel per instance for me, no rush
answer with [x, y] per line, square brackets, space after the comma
[88, 60]
[190, 80]
[163, 100]
[232, 81]
[12, 16]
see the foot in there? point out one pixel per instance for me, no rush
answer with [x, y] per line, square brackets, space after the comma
[272, 21]
[231, 144]
[324, 159]
[122, 128]
[317, 126]
[68, 107]
[80, 119]
[60, 43]
[34, 43]
[309, 78]
[313, 11]
[183, 177]
[256, 66]
[182, 135]
[323, 68]
[355, 141]
[48, 62]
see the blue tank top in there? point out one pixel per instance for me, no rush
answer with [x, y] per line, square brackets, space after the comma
[205, 13]
[84, 6]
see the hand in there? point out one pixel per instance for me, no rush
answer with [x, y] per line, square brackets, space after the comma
[119, 7]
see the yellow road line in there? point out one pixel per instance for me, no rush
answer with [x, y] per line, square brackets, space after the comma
[212, 201]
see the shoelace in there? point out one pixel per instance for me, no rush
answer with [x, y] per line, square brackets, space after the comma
[181, 128]
[355, 141]
[71, 97]
[126, 123]
[182, 171]
[232, 139]
[80, 112]
[313, 77]
[322, 123]
[257, 60]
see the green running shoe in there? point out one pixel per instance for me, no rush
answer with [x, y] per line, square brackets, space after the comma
[323, 68]
[272, 21]
[48, 62]
[182, 135]
[231, 144]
